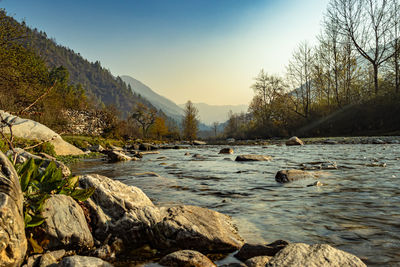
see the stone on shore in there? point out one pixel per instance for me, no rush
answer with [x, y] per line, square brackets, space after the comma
[65, 224]
[294, 141]
[248, 251]
[199, 143]
[147, 147]
[32, 130]
[117, 156]
[12, 228]
[201, 229]
[226, 150]
[83, 261]
[23, 156]
[253, 158]
[97, 148]
[286, 176]
[300, 254]
[186, 258]
[259, 261]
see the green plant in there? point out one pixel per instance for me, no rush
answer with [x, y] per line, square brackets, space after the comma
[47, 148]
[38, 185]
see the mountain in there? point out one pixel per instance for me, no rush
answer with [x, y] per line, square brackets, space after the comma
[160, 102]
[97, 81]
[216, 113]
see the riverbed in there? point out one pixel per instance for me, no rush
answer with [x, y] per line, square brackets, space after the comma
[357, 209]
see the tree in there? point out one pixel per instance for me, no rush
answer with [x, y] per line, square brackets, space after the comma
[300, 75]
[145, 116]
[215, 128]
[190, 121]
[367, 23]
[159, 128]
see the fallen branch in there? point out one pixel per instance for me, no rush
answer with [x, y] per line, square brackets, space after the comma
[38, 144]
[38, 99]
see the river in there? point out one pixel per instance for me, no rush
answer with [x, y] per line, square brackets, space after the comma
[356, 210]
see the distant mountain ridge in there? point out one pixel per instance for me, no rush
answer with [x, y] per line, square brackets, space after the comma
[167, 106]
[216, 113]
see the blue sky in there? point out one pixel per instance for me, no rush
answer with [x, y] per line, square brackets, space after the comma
[202, 50]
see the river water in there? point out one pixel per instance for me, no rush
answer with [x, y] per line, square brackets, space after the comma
[357, 210]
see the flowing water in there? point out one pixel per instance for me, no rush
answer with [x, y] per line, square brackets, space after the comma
[357, 210]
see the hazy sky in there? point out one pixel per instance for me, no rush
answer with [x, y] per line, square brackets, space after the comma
[203, 50]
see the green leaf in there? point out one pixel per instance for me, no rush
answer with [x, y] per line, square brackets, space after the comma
[35, 221]
[82, 194]
[27, 218]
[27, 171]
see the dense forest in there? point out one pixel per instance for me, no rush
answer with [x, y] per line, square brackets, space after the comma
[348, 84]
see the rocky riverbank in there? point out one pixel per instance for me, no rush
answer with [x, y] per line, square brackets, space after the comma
[119, 225]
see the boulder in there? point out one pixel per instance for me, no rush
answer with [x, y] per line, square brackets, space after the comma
[65, 224]
[253, 158]
[249, 251]
[51, 258]
[226, 150]
[199, 143]
[259, 261]
[13, 243]
[147, 147]
[83, 261]
[294, 141]
[96, 148]
[117, 156]
[186, 258]
[299, 254]
[23, 156]
[286, 176]
[201, 229]
[33, 130]
[120, 210]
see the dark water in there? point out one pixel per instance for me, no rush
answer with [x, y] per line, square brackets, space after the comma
[357, 209]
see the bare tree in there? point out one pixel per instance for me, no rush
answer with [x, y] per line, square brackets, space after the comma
[215, 128]
[368, 24]
[145, 116]
[299, 73]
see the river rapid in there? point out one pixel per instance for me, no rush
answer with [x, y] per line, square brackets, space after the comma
[356, 210]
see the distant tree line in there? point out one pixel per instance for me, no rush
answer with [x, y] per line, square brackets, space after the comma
[331, 87]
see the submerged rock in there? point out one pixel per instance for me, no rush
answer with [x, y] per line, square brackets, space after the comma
[286, 176]
[186, 258]
[299, 254]
[249, 251]
[226, 150]
[317, 183]
[13, 243]
[199, 143]
[294, 141]
[65, 224]
[253, 158]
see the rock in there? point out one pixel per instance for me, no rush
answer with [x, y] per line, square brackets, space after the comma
[104, 252]
[319, 165]
[116, 148]
[189, 258]
[199, 143]
[249, 251]
[191, 227]
[376, 164]
[96, 148]
[149, 152]
[116, 156]
[299, 254]
[13, 242]
[330, 142]
[187, 154]
[378, 141]
[234, 264]
[65, 224]
[51, 258]
[294, 141]
[259, 261]
[198, 156]
[317, 183]
[33, 130]
[83, 261]
[120, 211]
[253, 158]
[33, 261]
[146, 174]
[23, 156]
[146, 147]
[286, 176]
[226, 150]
